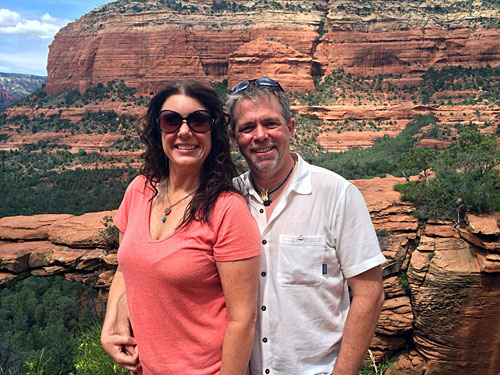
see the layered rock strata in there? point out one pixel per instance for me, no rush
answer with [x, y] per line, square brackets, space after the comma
[150, 44]
[455, 292]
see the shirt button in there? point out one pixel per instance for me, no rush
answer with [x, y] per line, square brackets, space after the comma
[263, 274]
[264, 339]
[263, 308]
[264, 242]
[267, 371]
[261, 210]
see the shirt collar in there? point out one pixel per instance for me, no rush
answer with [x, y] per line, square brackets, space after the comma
[300, 183]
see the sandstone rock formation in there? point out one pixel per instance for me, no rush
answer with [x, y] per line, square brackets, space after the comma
[157, 44]
[149, 44]
[67, 245]
[442, 284]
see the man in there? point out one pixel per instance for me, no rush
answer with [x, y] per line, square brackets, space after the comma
[317, 237]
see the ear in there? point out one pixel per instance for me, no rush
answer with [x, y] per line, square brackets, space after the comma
[291, 127]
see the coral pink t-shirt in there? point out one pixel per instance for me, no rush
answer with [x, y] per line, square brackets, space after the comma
[175, 297]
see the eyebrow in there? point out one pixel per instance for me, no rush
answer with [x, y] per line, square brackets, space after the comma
[267, 119]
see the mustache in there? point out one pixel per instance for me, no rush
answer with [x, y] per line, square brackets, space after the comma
[264, 144]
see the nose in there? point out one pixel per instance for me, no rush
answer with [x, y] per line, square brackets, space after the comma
[184, 129]
[260, 132]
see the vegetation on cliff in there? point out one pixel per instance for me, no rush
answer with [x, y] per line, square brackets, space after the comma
[384, 157]
[112, 91]
[72, 191]
[453, 85]
[466, 179]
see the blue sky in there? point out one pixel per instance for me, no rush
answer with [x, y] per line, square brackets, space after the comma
[27, 27]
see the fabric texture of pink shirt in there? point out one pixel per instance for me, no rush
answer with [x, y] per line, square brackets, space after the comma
[175, 297]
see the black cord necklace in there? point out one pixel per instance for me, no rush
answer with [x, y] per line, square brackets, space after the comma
[265, 193]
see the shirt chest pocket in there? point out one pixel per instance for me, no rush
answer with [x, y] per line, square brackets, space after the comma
[300, 260]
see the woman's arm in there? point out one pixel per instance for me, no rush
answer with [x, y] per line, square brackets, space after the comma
[116, 334]
[240, 284]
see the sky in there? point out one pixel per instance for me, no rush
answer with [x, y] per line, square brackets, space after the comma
[27, 27]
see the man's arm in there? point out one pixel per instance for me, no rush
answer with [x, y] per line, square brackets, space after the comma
[367, 300]
[116, 334]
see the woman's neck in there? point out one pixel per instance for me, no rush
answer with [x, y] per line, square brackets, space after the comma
[182, 181]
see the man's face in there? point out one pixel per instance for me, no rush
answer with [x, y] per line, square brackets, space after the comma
[262, 134]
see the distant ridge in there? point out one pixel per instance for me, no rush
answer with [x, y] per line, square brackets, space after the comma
[15, 86]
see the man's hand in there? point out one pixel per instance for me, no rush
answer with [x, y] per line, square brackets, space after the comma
[122, 350]
[117, 337]
[117, 334]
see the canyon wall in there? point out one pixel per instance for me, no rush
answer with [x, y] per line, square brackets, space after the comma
[149, 44]
[442, 283]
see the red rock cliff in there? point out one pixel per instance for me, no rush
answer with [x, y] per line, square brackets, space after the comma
[149, 44]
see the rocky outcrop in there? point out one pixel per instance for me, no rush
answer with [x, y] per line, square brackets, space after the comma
[455, 292]
[41, 245]
[148, 44]
[442, 284]
[6, 99]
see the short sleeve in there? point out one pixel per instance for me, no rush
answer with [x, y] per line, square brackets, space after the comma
[357, 243]
[121, 217]
[237, 233]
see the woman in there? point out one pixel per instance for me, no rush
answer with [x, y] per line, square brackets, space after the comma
[189, 249]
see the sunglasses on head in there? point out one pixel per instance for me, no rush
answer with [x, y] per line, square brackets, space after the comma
[243, 85]
[198, 121]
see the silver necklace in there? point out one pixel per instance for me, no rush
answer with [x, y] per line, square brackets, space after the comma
[168, 210]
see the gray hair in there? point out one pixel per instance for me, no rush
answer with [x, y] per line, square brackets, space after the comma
[252, 92]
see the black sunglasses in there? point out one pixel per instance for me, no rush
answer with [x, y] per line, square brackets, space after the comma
[198, 121]
[243, 85]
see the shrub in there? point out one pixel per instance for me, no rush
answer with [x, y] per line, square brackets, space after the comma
[110, 233]
[466, 180]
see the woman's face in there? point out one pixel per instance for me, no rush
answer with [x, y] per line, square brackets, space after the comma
[186, 149]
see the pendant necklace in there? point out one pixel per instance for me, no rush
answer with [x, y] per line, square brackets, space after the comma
[168, 210]
[265, 193]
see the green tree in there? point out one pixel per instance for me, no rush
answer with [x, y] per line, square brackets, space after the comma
[416, 160]
[39, 321]
[466, 180]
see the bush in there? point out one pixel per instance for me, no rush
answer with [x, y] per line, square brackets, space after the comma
[466, 180]
[110, 233]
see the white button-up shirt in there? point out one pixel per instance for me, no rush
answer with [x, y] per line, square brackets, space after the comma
[319, 234]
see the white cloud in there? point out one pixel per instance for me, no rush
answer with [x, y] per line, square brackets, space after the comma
[8, 18]
[47, 18]
[11, 23]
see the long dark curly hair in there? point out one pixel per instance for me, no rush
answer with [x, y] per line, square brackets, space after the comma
[218, 169]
